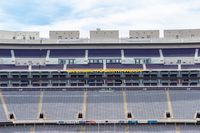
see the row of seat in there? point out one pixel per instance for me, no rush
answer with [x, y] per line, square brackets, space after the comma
[98, 66]
[55, 53]
[100, 105]
[103, 129]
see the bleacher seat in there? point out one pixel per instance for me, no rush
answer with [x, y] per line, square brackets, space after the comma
[179, 52]
[141, 53]
[104, 53]
[161, 66]
[5, 53]
[57, 53]
[30, 53]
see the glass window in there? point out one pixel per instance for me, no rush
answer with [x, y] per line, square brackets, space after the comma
[100, 61]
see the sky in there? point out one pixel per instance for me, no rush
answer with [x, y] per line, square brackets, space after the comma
[85, 15]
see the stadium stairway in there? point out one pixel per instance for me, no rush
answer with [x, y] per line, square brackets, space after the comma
[5, 109]
[169, 104]
[40, 104]
[177, 128]
[94, 105]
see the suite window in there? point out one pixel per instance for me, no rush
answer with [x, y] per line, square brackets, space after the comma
[178, 61]
[71, 61]
[59, 37]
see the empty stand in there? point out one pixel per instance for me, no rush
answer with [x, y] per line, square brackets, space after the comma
[161, 66]
[101, 128]
[193, 66]
[147, 104]
[183, 52]
[141, 53]
[104, 53]
[152, 129]
[85, 66]
[13, 67]
[67, 104]
[189, 129]
[5, 53]
[3, 114]
[30, 53]
[185, 104]
[24, 105]
[124, 66]
[105, 106]
[48, 67]
[55, 53]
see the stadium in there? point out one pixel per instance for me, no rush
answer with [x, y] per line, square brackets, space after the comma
[140, 84]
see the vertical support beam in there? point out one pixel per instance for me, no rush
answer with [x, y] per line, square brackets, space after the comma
[86, 55]
[13, 55]
[144, 67]
[104, 64]
[48, 54]
[65, 67]
[29, 67]
[196, 53]
[179, 66]
[161, 53]
[122, 56]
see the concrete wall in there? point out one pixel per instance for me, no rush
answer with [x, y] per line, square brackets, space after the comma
[182, 33]
[64, 34]
[144, 34]
[19, 35]
[100, 35]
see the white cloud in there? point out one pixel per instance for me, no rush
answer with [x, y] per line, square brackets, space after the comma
[113, 14]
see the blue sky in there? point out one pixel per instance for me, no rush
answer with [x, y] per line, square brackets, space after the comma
[84, 15]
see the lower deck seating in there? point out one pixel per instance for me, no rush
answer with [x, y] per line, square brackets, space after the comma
[62, 105]
[147, 104]
[102, 129]
[185, 103]
[105, 105]
[23, 104]
[100, 105]
[2, 114]
[190, 129]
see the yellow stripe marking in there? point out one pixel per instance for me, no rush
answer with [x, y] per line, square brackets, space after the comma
[125, 105]
[169, 103]
[126, 129]
[178, 129]
[40, 104]
[4, 106]
[125, 111]
[82, 129]
[32, 130]
[84, 108]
